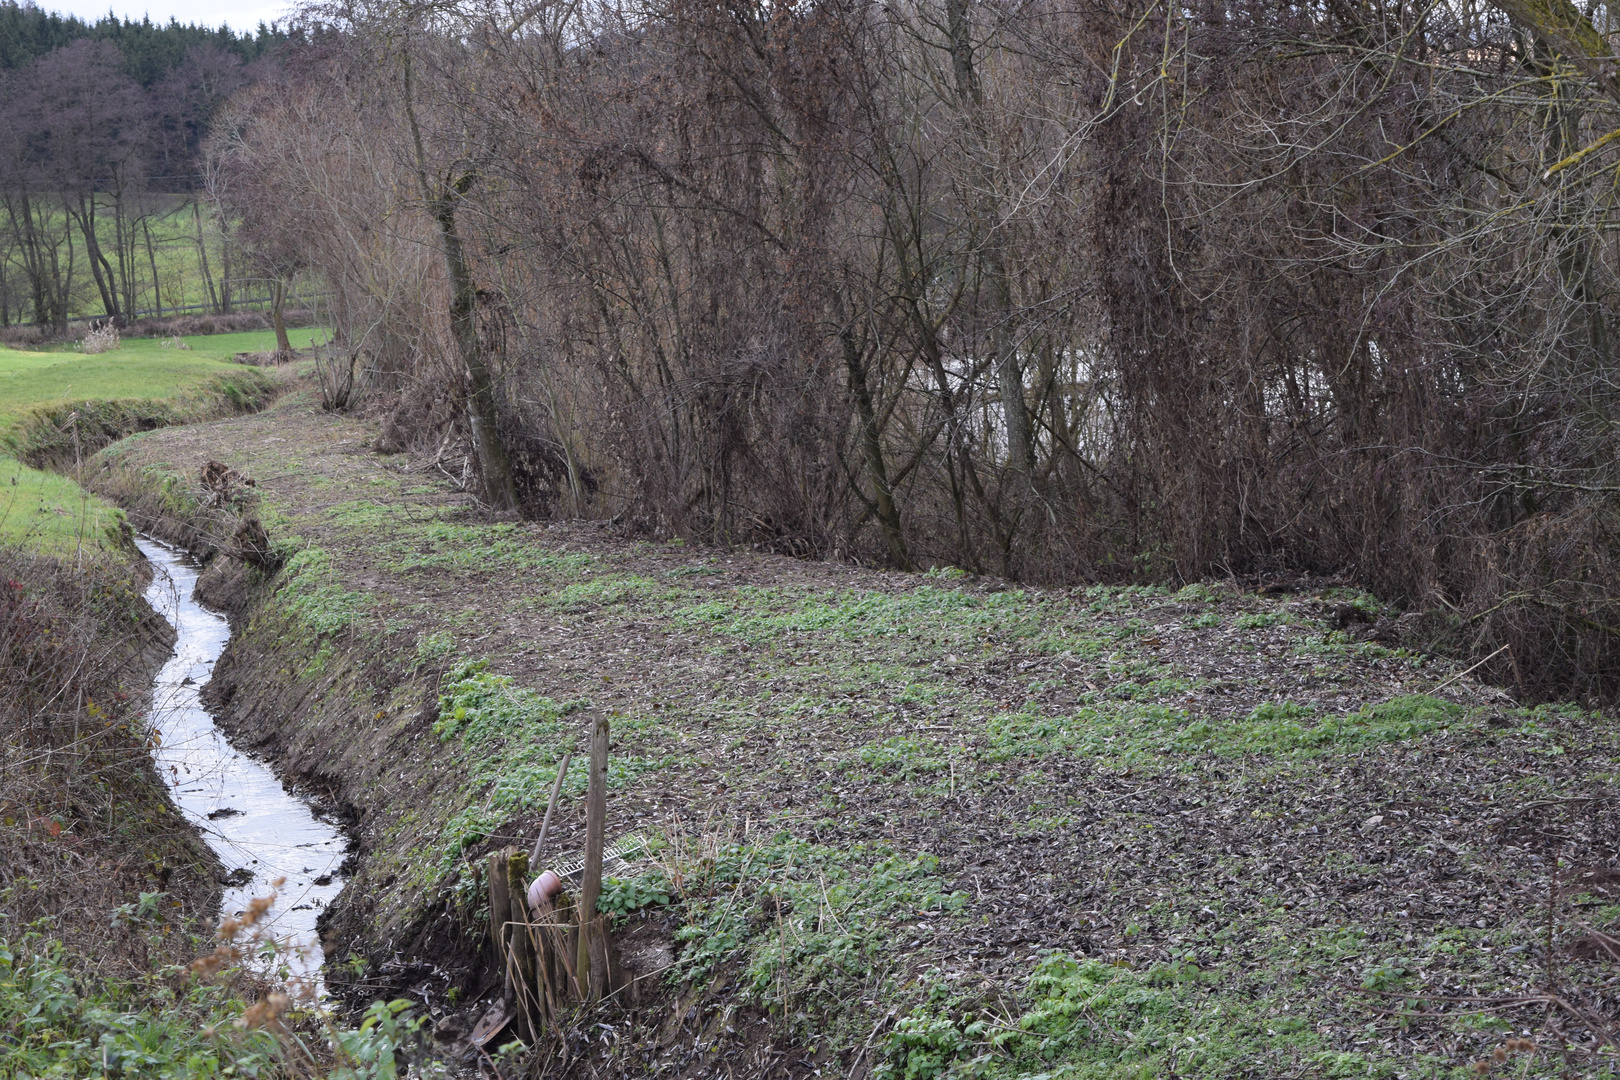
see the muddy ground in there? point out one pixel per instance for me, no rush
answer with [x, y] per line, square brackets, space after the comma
[915, 824]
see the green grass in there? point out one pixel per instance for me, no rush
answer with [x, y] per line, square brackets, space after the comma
[141, 369]
[140, 384]
[221, 347]
[179, 265]
[50, 514]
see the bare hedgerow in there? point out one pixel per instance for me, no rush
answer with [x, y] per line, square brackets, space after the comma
[1120, 292]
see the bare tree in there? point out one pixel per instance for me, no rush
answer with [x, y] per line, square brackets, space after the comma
[1127, 292]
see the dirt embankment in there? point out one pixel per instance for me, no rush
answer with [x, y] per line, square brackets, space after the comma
[86, 825]
[904, 821]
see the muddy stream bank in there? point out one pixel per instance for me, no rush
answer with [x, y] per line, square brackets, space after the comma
[262, 832]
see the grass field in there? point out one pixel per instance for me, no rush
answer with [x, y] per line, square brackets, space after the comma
[173, 226]
[141, 384]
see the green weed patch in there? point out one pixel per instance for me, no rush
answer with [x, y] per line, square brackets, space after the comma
[54, 1025]
[1089, 1020]
[604, 592]
[804, 925]
[431, 544]
[1137, 731]
[510, 741]
[759, 614]
[902, 757]
[313, 596]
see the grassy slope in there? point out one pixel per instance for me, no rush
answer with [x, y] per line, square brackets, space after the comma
[50, 514]
[970, 829]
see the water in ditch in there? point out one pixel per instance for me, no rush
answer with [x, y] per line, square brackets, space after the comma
[260, 830]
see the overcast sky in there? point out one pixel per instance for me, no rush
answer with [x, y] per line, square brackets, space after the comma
[238, 14]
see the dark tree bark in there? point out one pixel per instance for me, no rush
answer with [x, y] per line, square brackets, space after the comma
[83, 211]
[278, 302]
[1009, 370]
[494, 466]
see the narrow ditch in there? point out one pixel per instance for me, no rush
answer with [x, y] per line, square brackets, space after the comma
[262, 832]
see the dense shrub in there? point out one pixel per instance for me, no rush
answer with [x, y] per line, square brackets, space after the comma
[1115, 292]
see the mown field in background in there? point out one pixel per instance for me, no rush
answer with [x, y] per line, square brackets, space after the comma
[141, 384]
[187, 250]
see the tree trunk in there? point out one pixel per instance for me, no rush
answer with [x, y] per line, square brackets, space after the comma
[225, 266]
[151, 257]
[63, 281]
[872, 450]
[278, 301]
[33, 255]
[1572, 240]
[202, 256]
[1009, 371]
[494, 467]
[124, 238]
[100, 269]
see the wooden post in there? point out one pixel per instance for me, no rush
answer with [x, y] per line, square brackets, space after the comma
[521, 967]
[500, 906]
[566, 939]
[549, 972]
[591, 975]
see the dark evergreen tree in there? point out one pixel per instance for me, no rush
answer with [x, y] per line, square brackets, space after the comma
[150, 50]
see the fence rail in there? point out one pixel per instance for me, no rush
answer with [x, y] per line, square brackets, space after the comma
[244, 304]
